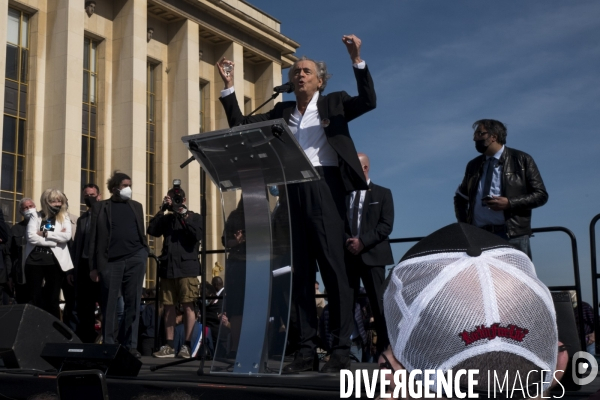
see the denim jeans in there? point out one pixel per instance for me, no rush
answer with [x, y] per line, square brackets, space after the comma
[519, 242]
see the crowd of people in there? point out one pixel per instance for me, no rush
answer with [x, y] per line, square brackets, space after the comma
[340, 224]
[96, 258]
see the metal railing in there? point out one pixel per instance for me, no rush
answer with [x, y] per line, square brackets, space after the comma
[576, 287]
[576, 274]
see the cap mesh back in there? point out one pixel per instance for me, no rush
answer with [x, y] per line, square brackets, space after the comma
[432, 302]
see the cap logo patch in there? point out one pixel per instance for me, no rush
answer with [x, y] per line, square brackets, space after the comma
[513, 332]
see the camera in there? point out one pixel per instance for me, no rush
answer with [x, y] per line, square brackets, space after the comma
[178, 195]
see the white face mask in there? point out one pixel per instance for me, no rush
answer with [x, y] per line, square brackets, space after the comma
[29, 213]
[125, 193]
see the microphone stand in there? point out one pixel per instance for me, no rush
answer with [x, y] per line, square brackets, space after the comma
[259, 107]
[202, 352]
[189, 160]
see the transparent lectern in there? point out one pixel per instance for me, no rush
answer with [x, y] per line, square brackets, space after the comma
[252, 166]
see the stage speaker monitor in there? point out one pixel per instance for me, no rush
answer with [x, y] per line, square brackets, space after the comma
[24, 330]
[567, 334]
[112, 359]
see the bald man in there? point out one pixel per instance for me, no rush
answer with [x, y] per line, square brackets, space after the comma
[371, 220]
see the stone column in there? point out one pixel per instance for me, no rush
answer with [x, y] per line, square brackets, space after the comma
[184, 106]
[61, 152]
[267, 77]
[129, 93]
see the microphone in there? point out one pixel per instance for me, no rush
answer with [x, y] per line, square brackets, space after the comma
[285, 88]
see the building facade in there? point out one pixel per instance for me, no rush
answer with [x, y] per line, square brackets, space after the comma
[149, 78]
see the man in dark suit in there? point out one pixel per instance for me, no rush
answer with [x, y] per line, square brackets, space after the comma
[117, 258]
[371, 220]
[317, 209]
[87, 292]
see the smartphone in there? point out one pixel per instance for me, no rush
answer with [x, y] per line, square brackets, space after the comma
[485, 199]
[77, 385]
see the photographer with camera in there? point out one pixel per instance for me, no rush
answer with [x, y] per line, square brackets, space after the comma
[179, 267]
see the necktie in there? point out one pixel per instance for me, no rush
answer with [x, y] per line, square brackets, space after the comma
[489, 174]
[355, 213]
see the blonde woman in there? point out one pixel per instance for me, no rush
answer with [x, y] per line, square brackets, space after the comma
[46, 254]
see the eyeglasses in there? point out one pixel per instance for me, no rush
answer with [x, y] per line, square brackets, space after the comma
[563, 347]
[479, 134]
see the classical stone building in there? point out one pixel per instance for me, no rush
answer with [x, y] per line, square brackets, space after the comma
[94, 86]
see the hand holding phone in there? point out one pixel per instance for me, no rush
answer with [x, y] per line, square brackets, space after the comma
[486, 199]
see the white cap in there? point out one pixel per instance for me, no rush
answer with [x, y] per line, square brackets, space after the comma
[464, 292]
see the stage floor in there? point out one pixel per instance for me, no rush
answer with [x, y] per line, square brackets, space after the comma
[15, 384]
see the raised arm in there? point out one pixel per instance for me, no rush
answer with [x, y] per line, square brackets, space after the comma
[355, 106]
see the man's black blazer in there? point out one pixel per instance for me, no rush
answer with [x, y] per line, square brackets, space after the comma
[100, 231]
[376, 224]
[79, 241]
[335, 110]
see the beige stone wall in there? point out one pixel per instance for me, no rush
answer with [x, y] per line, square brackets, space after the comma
[100, 28]
[183, 56]
[3, 33]
[184, 104]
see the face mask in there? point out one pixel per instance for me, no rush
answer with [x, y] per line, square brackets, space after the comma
[182, 210]
[274, 190]
[89, 201]
[480, 146]
[125, 193]
[54, 209]
[28, 213]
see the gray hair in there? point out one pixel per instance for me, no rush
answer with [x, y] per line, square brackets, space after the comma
[23, 200]
[321, 71]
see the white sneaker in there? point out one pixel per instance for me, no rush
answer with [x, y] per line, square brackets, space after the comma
[165, 351]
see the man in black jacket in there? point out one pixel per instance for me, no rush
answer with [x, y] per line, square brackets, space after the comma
[317, 208]
[87, 292]
[179, 266]
[371, 220]
[117, 257]
[500, 187]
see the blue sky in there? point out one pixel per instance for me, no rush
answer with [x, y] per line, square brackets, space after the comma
[440, 65]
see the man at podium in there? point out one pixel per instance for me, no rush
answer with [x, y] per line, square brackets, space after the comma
[318, 209]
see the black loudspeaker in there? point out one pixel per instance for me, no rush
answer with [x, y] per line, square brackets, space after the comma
[112, 359]
[24, 330]
[567, 333]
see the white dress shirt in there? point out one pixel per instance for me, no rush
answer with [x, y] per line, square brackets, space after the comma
[309, 132]
[361, 204]
[483, 215]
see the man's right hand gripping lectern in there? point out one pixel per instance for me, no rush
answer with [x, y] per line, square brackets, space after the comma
[252, 166]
